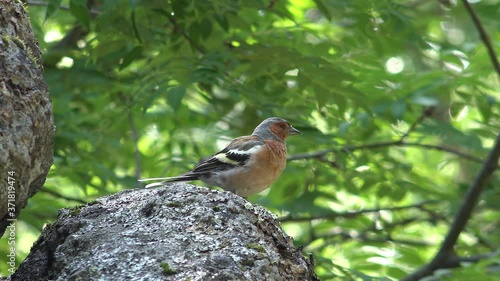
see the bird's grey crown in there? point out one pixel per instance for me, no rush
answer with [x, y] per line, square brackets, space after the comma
[263, 129]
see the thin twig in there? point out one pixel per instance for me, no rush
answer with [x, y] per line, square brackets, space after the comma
[351, 214]
[59, 195]
[185, 35]
[365, 236]
[351, 148]
[135, 136]
[464, 155]
[311, 155]
[484, 36]
[271, 4]
[93, 12]
[425, 112]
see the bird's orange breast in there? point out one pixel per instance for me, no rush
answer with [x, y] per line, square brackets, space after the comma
[264, 168]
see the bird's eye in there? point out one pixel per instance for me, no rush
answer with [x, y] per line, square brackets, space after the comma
[283, 126]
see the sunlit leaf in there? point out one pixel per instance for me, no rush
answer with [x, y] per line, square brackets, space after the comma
[52, 8]
[80, 10]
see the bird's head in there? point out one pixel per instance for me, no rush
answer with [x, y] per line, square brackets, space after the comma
[275, 128]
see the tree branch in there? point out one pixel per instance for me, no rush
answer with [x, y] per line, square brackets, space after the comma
[446, 253]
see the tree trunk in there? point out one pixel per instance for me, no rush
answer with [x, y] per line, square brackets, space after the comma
[179, 232]
[26, 122]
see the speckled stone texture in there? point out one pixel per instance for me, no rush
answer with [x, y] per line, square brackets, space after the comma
[177, 232]
[26, 122]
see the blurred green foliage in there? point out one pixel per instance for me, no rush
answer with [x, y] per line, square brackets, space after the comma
[147, 88]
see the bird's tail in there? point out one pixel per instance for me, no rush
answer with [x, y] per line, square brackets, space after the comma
[163, 181]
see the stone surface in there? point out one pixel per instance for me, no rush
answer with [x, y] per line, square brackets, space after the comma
[177, 232]
[26, 122]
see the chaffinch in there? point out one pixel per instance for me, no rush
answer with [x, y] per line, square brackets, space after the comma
[248, 165]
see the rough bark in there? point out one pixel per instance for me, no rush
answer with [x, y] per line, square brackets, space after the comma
[26, 122]
[178, 232]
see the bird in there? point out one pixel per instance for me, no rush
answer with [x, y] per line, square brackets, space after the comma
[247, 165]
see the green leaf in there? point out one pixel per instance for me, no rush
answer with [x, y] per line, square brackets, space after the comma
[486, 103]
[52, 8]
[425, 100]
[223, 22]
[205, 28]
[131, 56]
[323, 9]
[79, 9]
[175, 96]
[398, 108]
[450, 135]
[384, 189]
[134, 26]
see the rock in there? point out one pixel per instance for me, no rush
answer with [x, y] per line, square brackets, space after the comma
[177, 232]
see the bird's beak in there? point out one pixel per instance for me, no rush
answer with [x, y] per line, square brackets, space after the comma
[293, 131]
